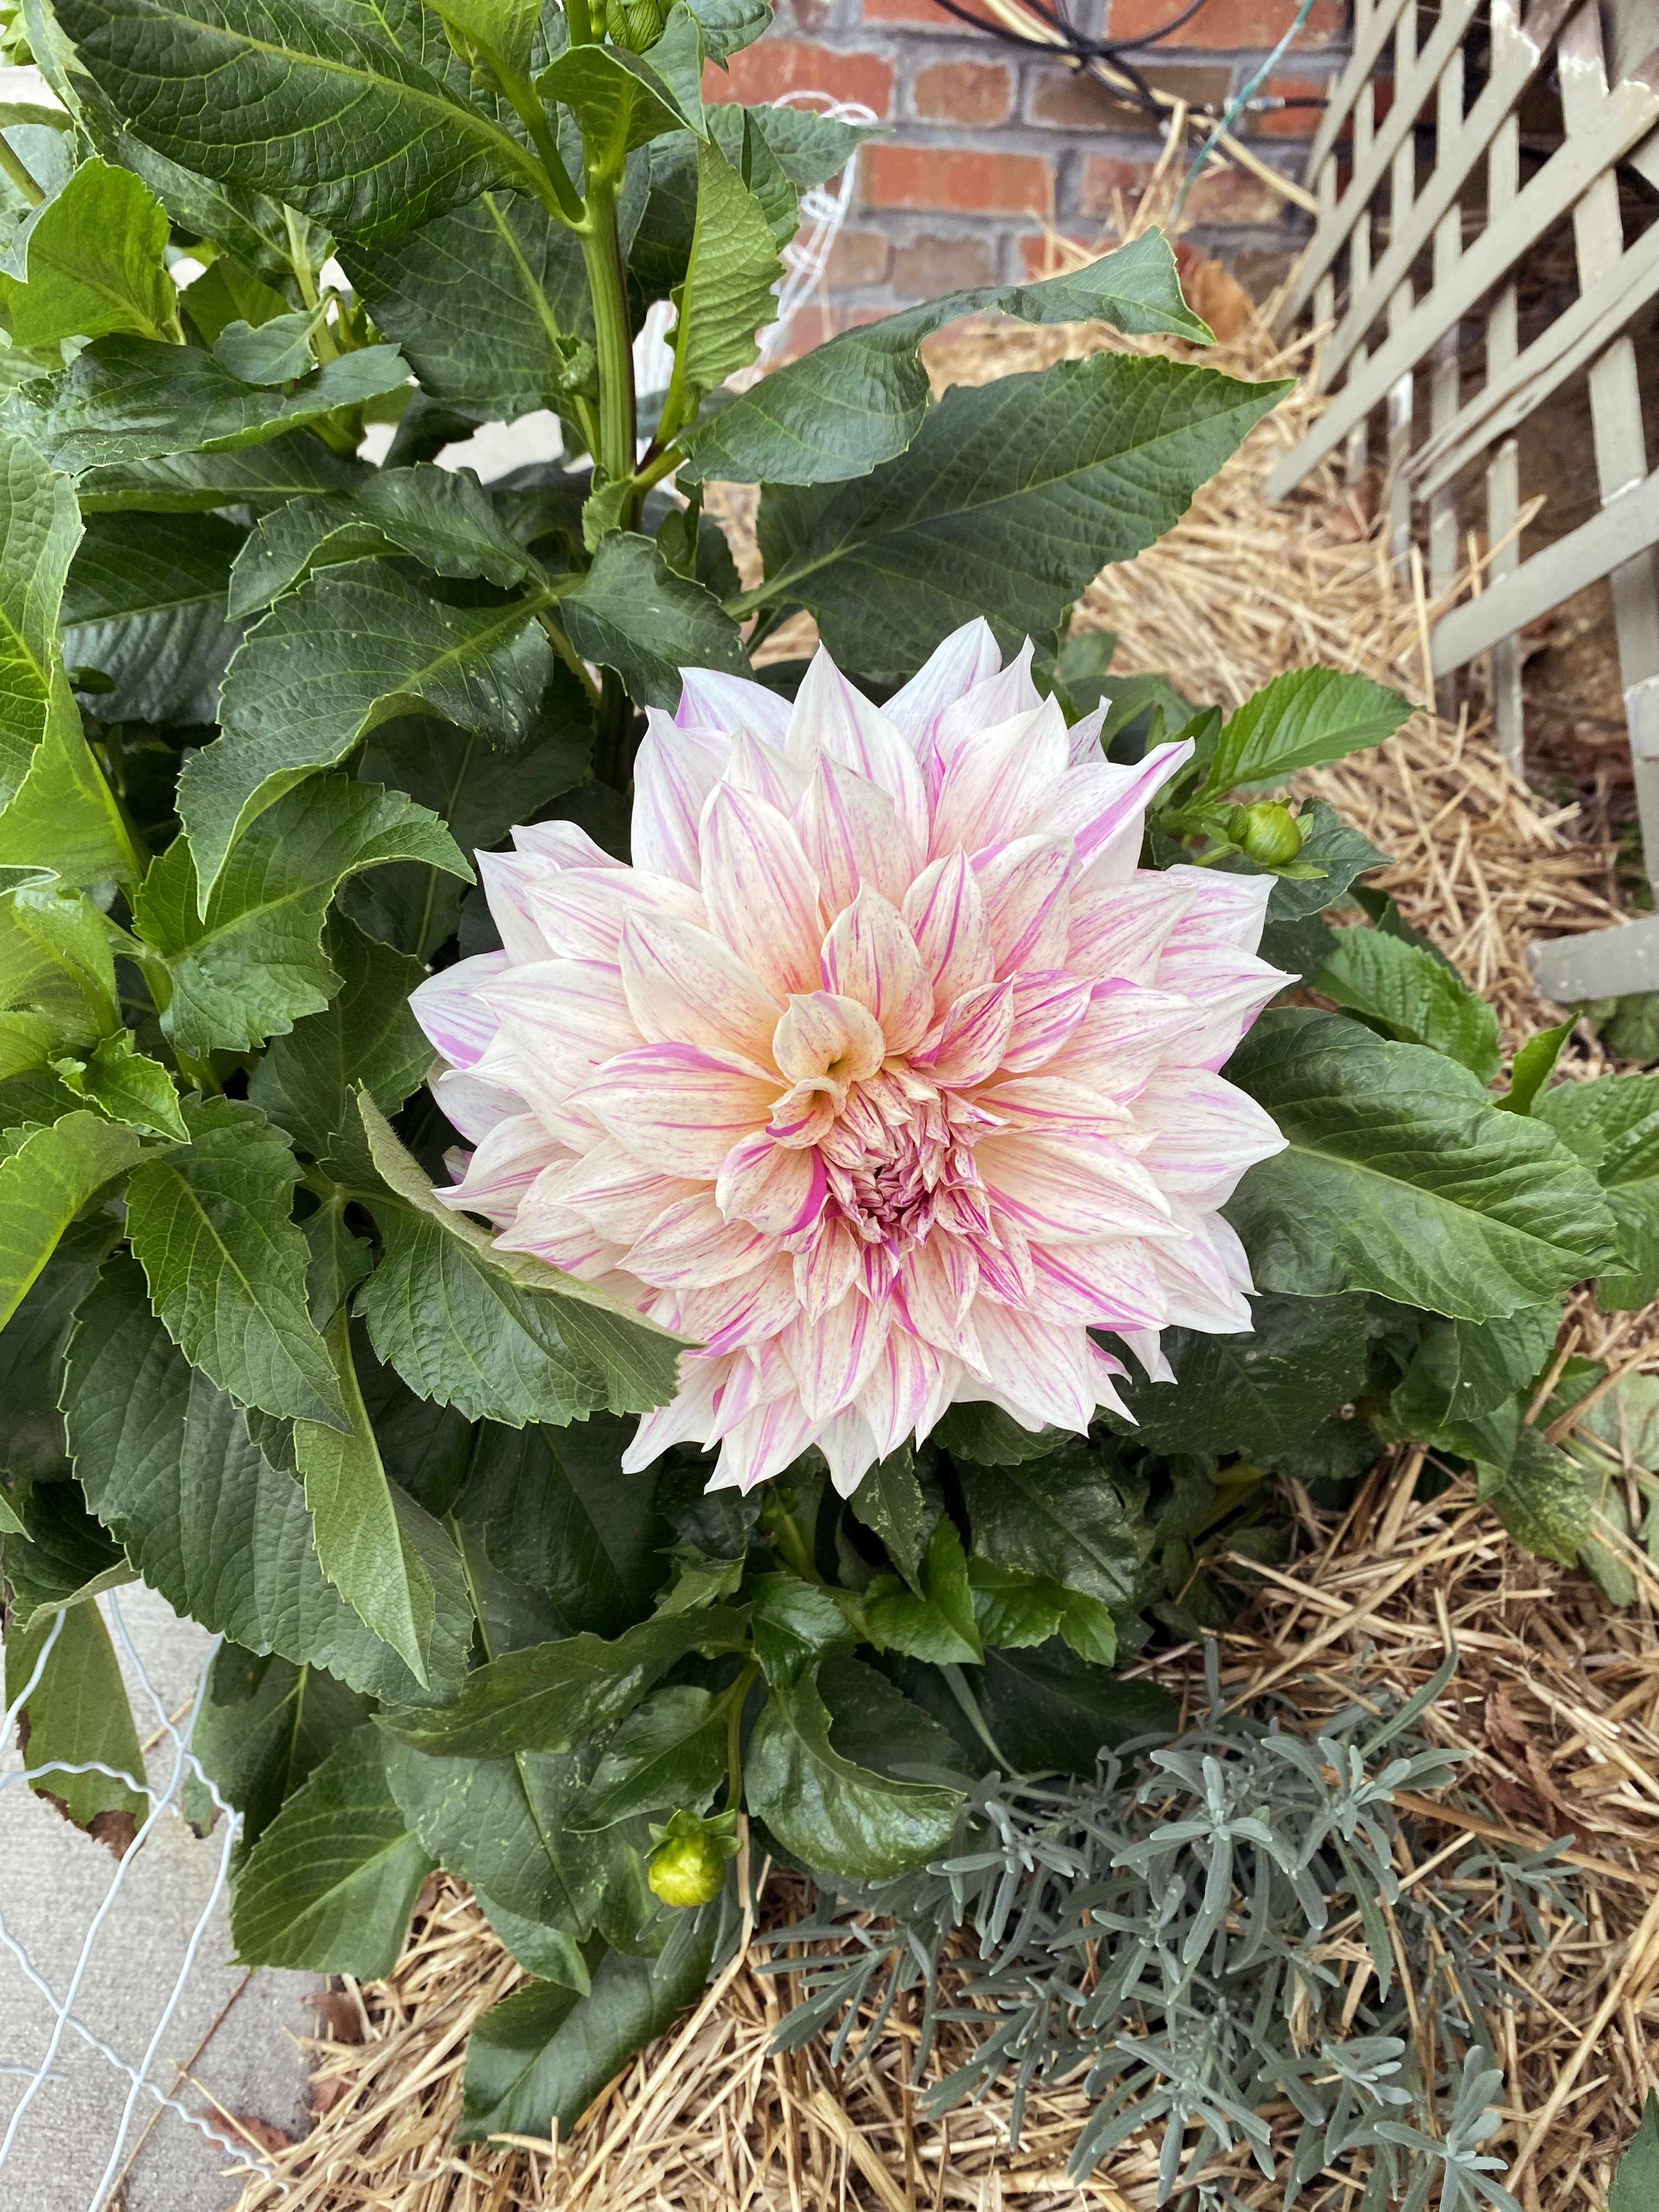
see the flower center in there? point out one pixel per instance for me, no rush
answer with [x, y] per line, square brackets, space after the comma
[899, 1161]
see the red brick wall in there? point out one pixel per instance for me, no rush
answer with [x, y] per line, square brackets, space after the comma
[988, 142]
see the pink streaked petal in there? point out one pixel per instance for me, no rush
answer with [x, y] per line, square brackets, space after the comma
[944, 912]
[1148, 1348]
[711, 701]
[1042, 1366]
[674, 771]
[449, 1007]
[1058, 1103]
[1206, 1278]
[677, 1108]
[1007, 1274]
[751, 1311]
[552, 1232]
[846, 1443]
[1205, 1134]
[827, 1268]
[806, 1113]
[832, 1354]
[1111, 1285]
[905, 1391]
[771, 1439]
[1121, 930]
[616, 1193]
[1048, 1007]
[1103, 806]
[762, 770]
[502, 1169]
[968, 657]
[870, 956]
[472, 1103]
[998, 697]
[1070, 1189]
[1227, 909]
[1126, 1031]
[1230, 989]
[757, 1377]
[1106, 1371]
[1027, 902]
[581, 911]
[975, 1035]
[508, 879]
[560, 1021]
[686, 986]
[998, 783]
[936, 1286]
[853, 835]
[686, 1419]
[778, 1189]
[762, 894]
[1083, 739]
[692, 1244]
[822, 1034]
[831, 716]
[562, 845]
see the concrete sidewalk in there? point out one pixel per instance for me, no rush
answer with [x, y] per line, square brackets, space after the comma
[230, 2036]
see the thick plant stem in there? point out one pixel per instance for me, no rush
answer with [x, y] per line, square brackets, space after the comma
[613, 340]
[16, 168]
[612, 754]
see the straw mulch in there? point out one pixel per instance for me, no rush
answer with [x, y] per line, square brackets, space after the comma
[1556, 1695]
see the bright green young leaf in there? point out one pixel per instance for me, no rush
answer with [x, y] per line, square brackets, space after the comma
[43, 1186]
[1612, 1124]
[380, 1560]
[68, 931]
[836, 1817]
[441, 516]
[363, 122]
[1329, 843]
[1054, 1713]
[225, 1265]
[264, 1728]
[1305, 718]
[1258, 1393]
[145, 608]
[1405, 992]
[1015, 1610]
[63, 806]
[278, 351]
[936, 1623]
[549, 1696]
[670, 1752]
[1399, 1177]
[92, 255]
[129, 399]
[253, 964]
[1534, 1065]
[1011, 498]
[128, 1086]
[502, 29]
[619, 100]
[39, 527]
[539, 2058]
[291, 466]
[352, 648]
[365, 1037]
[888, 1500]
[78, 1712]
[1061, 1517]
[167, 1464]
[728, 292]
[331, 1883]
[1636, 2183]
[859, 400]
[634, 613]
[498, 1334]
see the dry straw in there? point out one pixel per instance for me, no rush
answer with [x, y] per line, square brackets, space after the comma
[1557, 1696]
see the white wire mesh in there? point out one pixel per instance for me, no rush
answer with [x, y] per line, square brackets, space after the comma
[180, 1766]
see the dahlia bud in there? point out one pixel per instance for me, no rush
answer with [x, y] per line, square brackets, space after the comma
[688, 1866]
[636, 24]
[1266, 832]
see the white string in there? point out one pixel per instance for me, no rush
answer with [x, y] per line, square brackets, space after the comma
[185, 1766]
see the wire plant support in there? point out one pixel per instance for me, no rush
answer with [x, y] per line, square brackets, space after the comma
[1426, 213]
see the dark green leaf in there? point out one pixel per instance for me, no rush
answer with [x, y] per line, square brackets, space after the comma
[62, 1557]
[77, 1712]
[1305, 718]
[265, 1727]
[1011, 497]
[43, 1186]
[1062, 1517]
[983, 1433]
[1612, 1126]
[1404, 991]
[1260, 1392]
[145, 607]
[32, 1347]
[670, 1752]
[795, 1623]
[1328, 843]
[293, 466]
[878, 1726]
[837, 1817]
[331, 1884]
[634, 613]
[93, 258]
[1464, 1369]
[1399, 1177]
[889, 1501]
[1636, 2183]
[858, 400]
[127, 1085]
[39, 527]
[1052, 1712]
[1534, 1065]
[1542, 1498]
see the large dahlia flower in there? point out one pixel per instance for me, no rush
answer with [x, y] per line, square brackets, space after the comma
[884, 1074]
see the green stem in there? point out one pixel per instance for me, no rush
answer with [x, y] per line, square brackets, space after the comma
[17, 170]
[299, 259]
[734, 1736]
[612, 762]
[572, 659]
[957, 1683]
[613, 339]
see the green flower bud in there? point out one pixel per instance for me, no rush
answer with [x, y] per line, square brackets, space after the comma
[1266, 832]
[636, 24]
[687, 1870]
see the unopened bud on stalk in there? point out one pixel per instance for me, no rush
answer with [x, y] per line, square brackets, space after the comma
[688, 1866]
[635, 24]
[1266, 832]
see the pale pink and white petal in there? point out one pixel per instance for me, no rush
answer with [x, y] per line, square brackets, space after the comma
[849, 1448]
[1112, 1285]
[616, 1194]
[712, 701]
[1058, 1105]
[757, 1377]
[853, 834]
[562, 845]
[968, 657]
[685, 1420]
[998, 784]
[827, 1267]
[581, 911]
[1204, 1133]
[936, 1286]
[562, 1020]
[1148, 1349]
[508, 878]
[905, 1390]
[678, 1109]
[550, 1232]
[1042, 1366]
[1083, 739]
[1103, 806]
[998, 697]
[1231, 989]
[762, 896]
[823, 1033]
[1128, 1031]
[686, 986]
[501, 1171]
[944, 912]
[761, 769]
[449, 1006]
[1007, 1274]
[831, 716]
[1207, 1277]
[692, 1244]
[1048, 1007]
[870, 956]
[1121, 931]
[472, 1103]
[1028, 902]
[674, 771]
[806, 1114]
[775, 1187]
[1067, 1190]
[832, 1353]
[974, 1037]
[1227, 909]
[771, 1439]
[752, 1309]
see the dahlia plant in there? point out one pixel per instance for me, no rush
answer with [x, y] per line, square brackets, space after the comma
[678, 1255]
